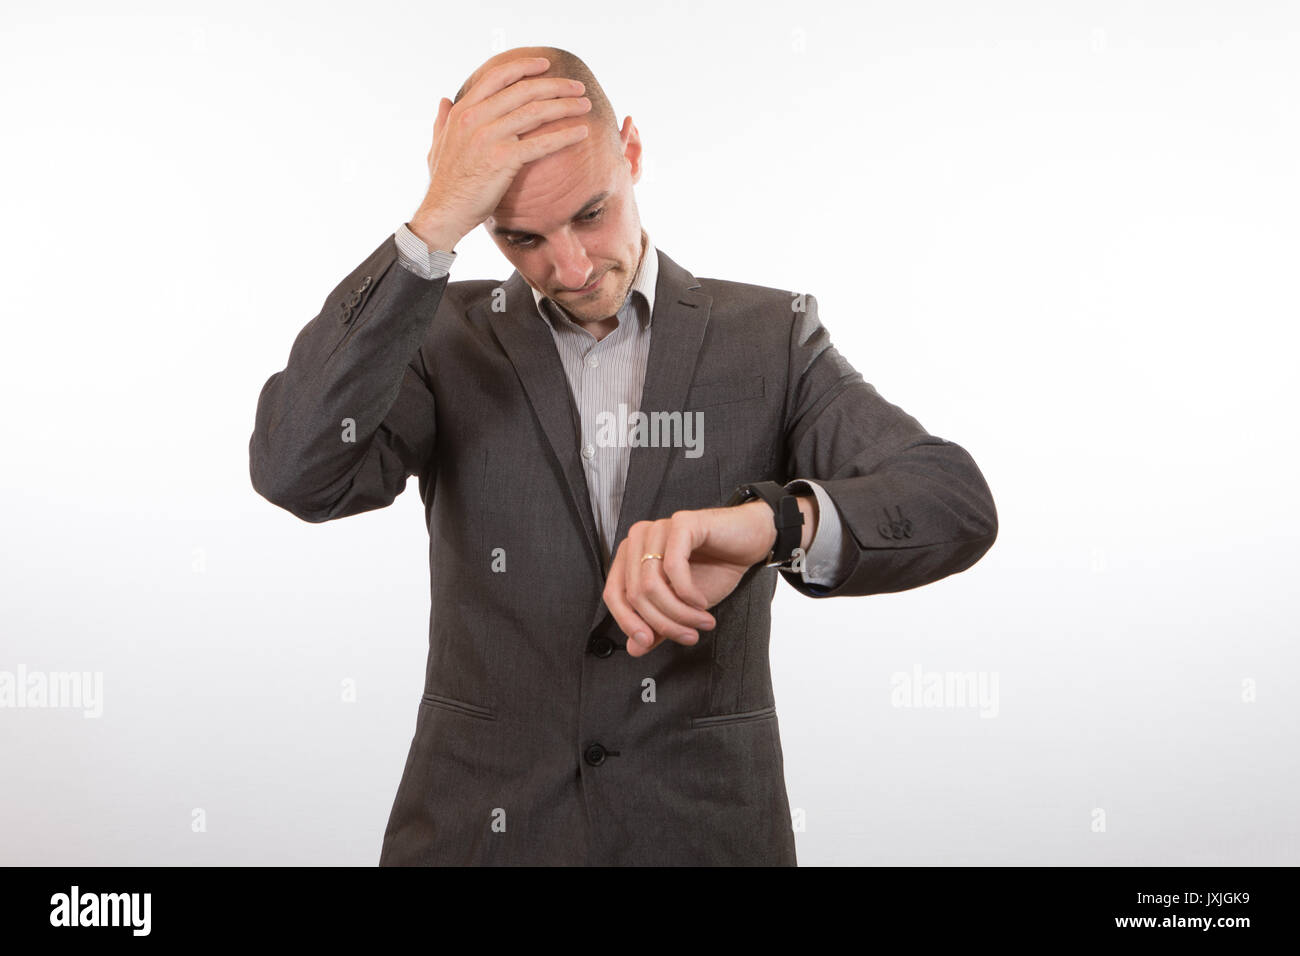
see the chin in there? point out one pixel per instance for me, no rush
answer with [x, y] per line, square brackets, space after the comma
[593, 309]
[594, 314]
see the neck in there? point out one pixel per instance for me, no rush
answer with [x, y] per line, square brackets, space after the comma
[603, 327]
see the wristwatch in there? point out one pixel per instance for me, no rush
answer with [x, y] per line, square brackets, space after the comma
[786, 515]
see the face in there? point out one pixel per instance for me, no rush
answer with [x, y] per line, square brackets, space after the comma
[570, 225]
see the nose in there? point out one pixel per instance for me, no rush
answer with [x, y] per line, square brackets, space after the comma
[572, 267]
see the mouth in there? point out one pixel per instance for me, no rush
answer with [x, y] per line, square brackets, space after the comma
[587, 289]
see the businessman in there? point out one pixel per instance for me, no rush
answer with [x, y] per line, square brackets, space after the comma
[616, 460]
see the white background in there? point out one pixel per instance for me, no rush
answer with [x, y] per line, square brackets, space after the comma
[1061, 235]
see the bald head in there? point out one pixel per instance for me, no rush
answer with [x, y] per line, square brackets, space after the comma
[563, 64]
[568, 221]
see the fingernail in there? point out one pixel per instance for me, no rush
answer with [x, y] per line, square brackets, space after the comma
[642, 638]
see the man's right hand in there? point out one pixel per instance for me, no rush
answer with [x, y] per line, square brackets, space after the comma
[477, 151]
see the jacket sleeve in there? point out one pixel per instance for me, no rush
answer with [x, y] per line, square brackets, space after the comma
[915, 507]
[351, 416]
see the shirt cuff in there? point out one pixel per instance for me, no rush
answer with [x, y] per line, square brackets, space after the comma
[826, 559]
[419, 258]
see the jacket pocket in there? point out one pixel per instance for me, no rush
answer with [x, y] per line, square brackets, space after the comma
[715, 720]
[457, 706]
[707, 394]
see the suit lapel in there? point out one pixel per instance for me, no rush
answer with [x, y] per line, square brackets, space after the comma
[681, 315]
[680, 318]
[527, 340]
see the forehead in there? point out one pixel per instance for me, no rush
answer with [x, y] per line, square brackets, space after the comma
[550, 191]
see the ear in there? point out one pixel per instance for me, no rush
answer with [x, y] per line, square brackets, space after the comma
[630, 139]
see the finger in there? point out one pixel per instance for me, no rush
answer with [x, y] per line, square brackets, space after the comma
[675, 538]
[650, 595]
[639, 633]
[532, 115]
[527, 93]
[631, 624]
[502, 75]
[656, 598]
[444, 107]
[685, 534]
[636, 650]
[439, 124]
[535, 147]
[635, 545]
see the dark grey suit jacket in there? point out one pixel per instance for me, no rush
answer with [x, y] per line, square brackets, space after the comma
[538, 740]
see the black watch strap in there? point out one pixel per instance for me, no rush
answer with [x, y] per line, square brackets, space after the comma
[785, 514]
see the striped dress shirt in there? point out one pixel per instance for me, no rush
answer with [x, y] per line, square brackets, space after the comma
[604, 373]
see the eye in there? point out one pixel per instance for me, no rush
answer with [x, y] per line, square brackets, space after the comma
[528, 242]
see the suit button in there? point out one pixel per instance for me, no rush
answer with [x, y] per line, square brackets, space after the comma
[594, 755]
[600, 645]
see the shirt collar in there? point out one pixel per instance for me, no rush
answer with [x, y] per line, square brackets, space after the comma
[647, 274]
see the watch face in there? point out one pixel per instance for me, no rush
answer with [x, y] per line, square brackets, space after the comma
[740, 495]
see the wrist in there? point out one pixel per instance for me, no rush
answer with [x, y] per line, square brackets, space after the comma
[432, 229]
[784, 519]
[807, 502]
[759, 514]
[762, 515]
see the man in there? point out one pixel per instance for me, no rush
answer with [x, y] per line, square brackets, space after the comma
[598, 687]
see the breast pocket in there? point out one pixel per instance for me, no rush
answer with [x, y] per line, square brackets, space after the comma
[709, 394]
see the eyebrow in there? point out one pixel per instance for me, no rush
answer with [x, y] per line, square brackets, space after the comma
[586, 207]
